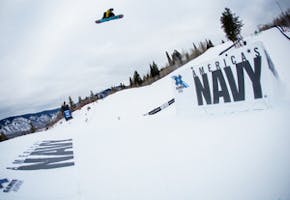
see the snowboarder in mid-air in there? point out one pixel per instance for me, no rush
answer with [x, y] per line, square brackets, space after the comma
[109, 13]
[108, 16]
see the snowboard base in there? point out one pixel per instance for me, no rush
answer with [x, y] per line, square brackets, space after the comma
[109, 19]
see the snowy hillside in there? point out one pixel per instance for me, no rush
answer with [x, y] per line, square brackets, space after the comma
[110, 150]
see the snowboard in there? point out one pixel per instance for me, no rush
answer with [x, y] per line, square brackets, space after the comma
[109, 19]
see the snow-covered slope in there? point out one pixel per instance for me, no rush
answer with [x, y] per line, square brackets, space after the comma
[110, 150]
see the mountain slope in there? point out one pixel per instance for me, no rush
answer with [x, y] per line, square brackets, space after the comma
[120, 154]
[20, 125]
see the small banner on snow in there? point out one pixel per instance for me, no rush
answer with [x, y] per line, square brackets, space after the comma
[237, 81]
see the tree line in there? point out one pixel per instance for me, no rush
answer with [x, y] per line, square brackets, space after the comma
[282, 20]
[175, 60]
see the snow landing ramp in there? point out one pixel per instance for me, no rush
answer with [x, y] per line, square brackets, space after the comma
[239, 80]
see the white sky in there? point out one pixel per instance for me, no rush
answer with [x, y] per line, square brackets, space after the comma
[52, 49]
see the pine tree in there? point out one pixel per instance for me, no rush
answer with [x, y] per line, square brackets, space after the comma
[168, 58]
[154, 71]
[202, 47]
[131, 82]
[144, 78]
[122, 86]
[137, 79]
[209, 44]
[92, 94]
[80, 100]
[231, 25]
[195, 52]
[71, 103]
[187, 56]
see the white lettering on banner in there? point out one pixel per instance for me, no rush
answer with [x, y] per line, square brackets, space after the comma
[235, 78]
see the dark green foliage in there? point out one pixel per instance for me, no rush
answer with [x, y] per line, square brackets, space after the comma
[187, 56]
[122, 86]
[168, 58]
[92, 94]
[195, 52]
[80, 99]
[71, 103]
[202, 46]
[231, 25]
[176, 57]
[147, 77]
[137, 79]
[154, 71]
[209, 44]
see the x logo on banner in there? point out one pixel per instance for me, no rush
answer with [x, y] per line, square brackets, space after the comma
[179, 81]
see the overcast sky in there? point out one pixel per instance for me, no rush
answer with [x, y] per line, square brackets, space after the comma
[52, 49]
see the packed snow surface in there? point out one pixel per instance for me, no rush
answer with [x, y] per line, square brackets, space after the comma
[118, 153]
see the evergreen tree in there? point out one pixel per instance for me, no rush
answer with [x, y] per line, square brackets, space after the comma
[71, 103]
[231, 25]
[187, 56]
[80, 99]
[195, 52]
[209, 44]
[131, 82]
[147, 77]
[168, 58]
[92, 94]
[137, 79]
[122, 86]
[154, 71]
[202, 47]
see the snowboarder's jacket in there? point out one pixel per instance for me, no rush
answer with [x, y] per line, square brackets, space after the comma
[109, 13]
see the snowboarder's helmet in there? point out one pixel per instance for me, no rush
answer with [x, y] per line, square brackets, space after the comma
[111, 9]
